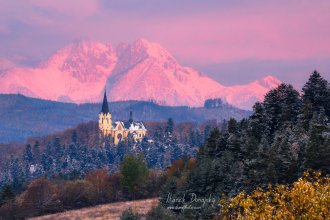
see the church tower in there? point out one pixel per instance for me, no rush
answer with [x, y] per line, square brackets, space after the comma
[105, 119]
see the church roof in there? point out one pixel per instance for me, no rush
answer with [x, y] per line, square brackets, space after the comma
[105, 106]
[134, 126]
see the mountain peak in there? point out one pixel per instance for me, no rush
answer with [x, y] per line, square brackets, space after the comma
[142, 41]
[269, 82]
[150, 49]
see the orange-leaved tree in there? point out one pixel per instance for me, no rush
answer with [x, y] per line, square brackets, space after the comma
[307, 198]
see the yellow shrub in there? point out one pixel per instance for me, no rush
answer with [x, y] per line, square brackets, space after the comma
[308, 198]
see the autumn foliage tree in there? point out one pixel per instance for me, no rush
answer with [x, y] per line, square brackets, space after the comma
[307, 198]
[40, 197]
[76, 194]
[102, 189]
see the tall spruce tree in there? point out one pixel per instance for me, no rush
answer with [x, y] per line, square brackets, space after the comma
[317, 147]
[28, 160]
[316, 95]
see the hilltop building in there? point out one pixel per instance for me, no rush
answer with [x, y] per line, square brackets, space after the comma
[119, 130]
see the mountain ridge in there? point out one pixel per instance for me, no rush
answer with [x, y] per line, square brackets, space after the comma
[142, 70]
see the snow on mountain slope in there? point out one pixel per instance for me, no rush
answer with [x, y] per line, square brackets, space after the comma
[147, 71]
[244, 96]
[142, 70]
[76, 73]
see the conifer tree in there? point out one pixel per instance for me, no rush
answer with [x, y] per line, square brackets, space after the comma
[16, 174]
[316, 95]
[6, 194]
[169, 126]
[28, 159]
[317, 147]
[36, 152]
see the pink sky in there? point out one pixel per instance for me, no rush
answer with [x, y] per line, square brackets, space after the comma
[203, 34]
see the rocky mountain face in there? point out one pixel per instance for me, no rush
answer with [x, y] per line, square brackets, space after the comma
[141, 70]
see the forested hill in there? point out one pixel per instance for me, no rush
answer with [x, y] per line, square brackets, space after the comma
[287, 135]
[22, 117]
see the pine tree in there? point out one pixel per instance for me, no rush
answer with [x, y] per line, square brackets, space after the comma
[47, 161]
[36, 152]
[318, 146]
[176, 153]
[284, 162]
[207, 131]
[212, 142]
[109, 153]
[169, 127]
[16, 174]
[6, 194]
[316, 93]
[232, 125]
[281, 105]
[74, 137]
[58, 154]
[258, 121]
[122, 149]
[135, 173]
[28, 159]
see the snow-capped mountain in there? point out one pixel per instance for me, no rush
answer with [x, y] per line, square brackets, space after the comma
[142, 70]
[147, 71]
[75, 73]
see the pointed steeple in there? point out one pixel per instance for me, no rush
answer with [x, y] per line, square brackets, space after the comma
[105, 106]
[130, 117]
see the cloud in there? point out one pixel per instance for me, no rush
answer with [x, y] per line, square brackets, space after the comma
[195, 32]
[72, 8]
[295, 72]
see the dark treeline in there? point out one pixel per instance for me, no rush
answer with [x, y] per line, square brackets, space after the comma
[286, 135]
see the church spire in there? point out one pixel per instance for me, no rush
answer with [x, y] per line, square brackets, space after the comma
[105, 106]
[130, 120]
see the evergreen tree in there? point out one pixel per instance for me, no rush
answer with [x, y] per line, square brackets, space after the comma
[6, 194]
[215, 144]
[317, 142]
[207, 131]
[122, 149]
[36, 152]
[257, 121]
[135, 173]
[284, 162]
[176, 153]
[109, 153]
[28, 159]
[58, 154]
[169, 126]
[316, 95]
[47, 160]
[16, 174]
[74, 137]
[232, 125]
[281, 105]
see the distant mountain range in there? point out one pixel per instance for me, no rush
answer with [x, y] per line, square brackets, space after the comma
[142, 70]
[22, 117]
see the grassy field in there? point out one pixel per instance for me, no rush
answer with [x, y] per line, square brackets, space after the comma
[107, 211]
